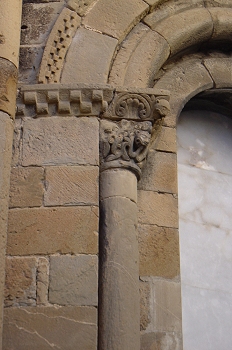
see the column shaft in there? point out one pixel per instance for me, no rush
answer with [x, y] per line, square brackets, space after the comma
[119, 306]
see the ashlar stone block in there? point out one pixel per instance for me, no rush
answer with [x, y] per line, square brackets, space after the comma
[73, 280]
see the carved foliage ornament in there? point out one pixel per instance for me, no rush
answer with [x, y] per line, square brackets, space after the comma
[124, 144]
[137, 107]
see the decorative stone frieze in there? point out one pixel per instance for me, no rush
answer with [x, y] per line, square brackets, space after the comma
[57, 46]
[92, 100]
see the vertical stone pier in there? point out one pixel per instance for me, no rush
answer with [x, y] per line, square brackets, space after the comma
[125, 133]
[10, 19]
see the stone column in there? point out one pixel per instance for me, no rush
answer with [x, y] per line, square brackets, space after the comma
[10, 19]
[124, 145]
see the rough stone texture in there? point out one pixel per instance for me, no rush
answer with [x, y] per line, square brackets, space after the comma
[118, 183]
[220, 70]
[37, 21]
[159, 173]
[26, 187]
[47, 328]
[29, 63]
[161, 341]
[20, 284]
[157, 209]
[222, 20]
[117, 17]
[71, 185]
[165, 305]
[169, 8]
[8, 81]
[197, 24]
[118, 279]
[184, 80]
[6, 127]
[10, 18]
[159, 251]
[89, 57]
[73, 280]
[146, 60]
[166, 140]
[52, 230]
[17, 143]
[60, 140]
[144, 304]
[42, 281]
[80, 6]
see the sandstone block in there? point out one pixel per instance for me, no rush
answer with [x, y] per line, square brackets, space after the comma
[117, 17]
[42, 281]
[80, 6]
[52, 230]
[47, 328]
[17, 143]
[29, 64]
[144, 304]
[82, 61]
[220, 70]
[26, 187]
[73, 280]
[118, 183]
[159, 173]
[222, 22]
[71, 185]
[159, 251]
[157, 209]
[166, 140]
[60, 140]
[37, 22]
[20, 284]
[161, 341]
[8, 83]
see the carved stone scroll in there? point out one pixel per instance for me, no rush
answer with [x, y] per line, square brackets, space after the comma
[57, 46]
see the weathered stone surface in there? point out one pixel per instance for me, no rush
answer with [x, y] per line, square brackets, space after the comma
[8, 81]
[20, 284]
[165, 307]
[10, 18]
[222, 21]
[80, 6]
[144, 304]
[169, 8]
[6, 127]
[157, 209]
[159, 173]
[166, 140]
[60, 140]
[47, 328]
[37, 21]
[220, 70]
[118, 280]
[118, 183]
[119, 67]
[26, 187]
[81, 63]
[146, 60]
[159, 251]
[117, 17]
[161, 341]
[184, 80]
[29, 63]
[197, 24]
[17, 143]
[52, 230]
[71, 185]
[73, 280]
[42, 282]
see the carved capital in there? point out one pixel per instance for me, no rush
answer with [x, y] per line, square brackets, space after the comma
[124, 144]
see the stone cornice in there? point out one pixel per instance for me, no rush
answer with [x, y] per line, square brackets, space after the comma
[106, 101]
